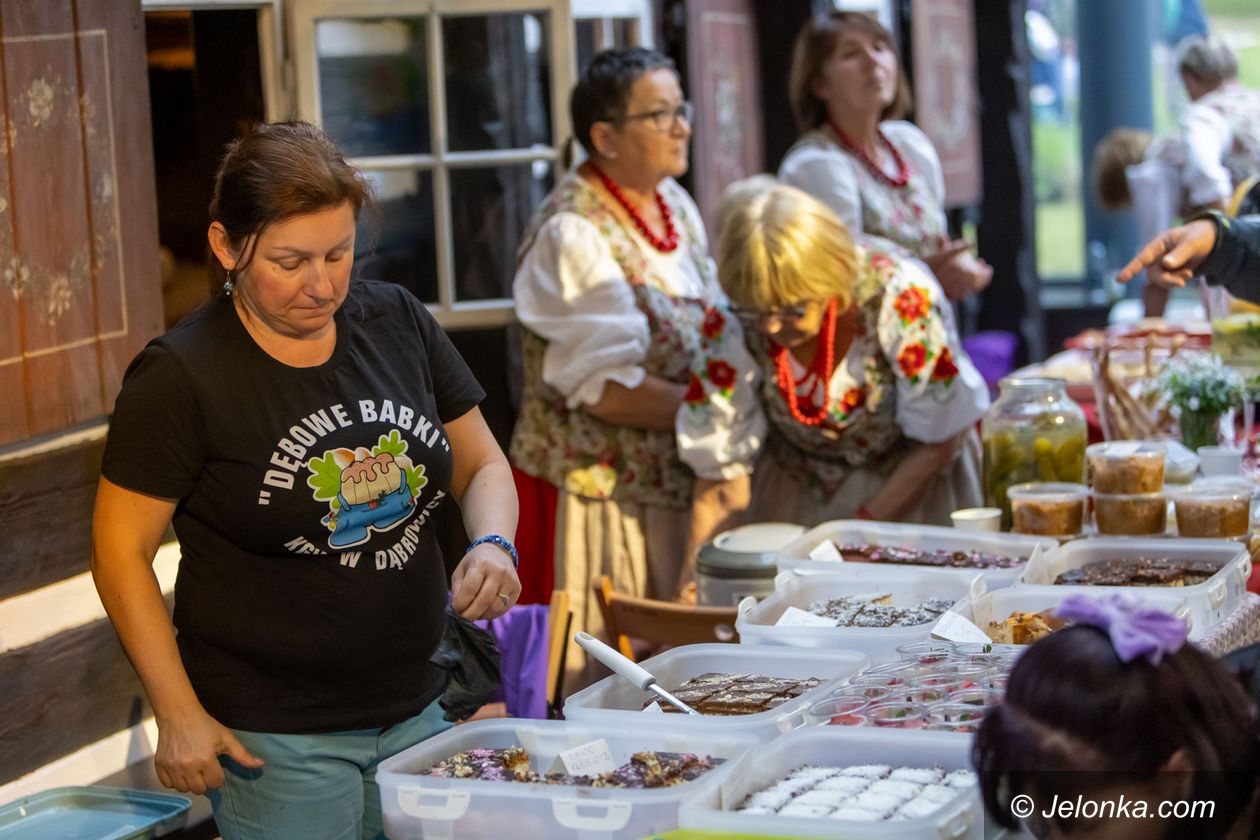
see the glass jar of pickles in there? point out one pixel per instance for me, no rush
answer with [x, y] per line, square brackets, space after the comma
[1033, 432]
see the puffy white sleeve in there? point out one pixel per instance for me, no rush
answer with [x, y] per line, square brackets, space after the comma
[1155, 192]
[939, 391]
[827, 175]
[569, 290]
[1207, 138]
[720, 425]
[921, 154]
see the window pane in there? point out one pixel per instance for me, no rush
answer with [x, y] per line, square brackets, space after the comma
[404, 251]
[1056, 134]
[625, 32]
[498, 81]
[490, 209]
[373, 87]
[586, 32]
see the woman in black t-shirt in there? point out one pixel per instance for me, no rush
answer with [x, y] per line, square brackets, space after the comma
[299, 431]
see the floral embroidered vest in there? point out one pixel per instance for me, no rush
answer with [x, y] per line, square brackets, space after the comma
[861, 429]
[908, 215]
[571, 448]
[1239, 106]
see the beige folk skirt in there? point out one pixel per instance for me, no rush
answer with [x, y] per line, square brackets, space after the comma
[640, 547]
[780, 495]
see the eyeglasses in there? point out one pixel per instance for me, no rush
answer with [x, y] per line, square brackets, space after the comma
[754, 317]
[663, 119]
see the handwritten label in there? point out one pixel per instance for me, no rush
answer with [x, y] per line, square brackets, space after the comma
[654, 706]
[952, 627]
[797, 617]
[826, 552]
[590, 759]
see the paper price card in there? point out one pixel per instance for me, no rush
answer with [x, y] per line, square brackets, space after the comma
[952, 627]
[654, 706]
[797, 617]
[589, 759]
[826, 552]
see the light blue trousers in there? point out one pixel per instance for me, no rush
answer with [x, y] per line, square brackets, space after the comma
[313, 787]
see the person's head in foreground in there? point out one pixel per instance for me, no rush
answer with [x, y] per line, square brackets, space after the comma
[1118, 705]
[1120, 149]
[1206, 63]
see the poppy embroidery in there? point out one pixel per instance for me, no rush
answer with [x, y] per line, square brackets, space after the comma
[911, 305]
[695, 391]
[713, 324]
[721, 374]
[911, 359]
[945, 369]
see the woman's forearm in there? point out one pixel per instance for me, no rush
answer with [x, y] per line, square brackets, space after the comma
[652, 405]
[905, 484]
[489, 504]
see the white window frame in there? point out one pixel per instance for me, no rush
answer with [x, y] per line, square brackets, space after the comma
[609, 10]
[450, 312]
[277, 101]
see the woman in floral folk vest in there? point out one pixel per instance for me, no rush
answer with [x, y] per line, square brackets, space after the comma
[870, 399]
[612, 285]
[878, 173]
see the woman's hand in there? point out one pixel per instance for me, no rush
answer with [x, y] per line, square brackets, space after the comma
[484, 584]
[188, 750]
[959, 272]
[1174, 256]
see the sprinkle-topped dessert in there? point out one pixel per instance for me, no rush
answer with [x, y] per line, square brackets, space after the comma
[878, 610]
[647, 769]
[940, 558]
[737, 694]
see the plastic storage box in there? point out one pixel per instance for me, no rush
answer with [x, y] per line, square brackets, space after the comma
[997, 606]
[755, 621]
[615, 702]
[709, 807]
[795, 555]
[418, 807]
[92, 813]
[1210, 602]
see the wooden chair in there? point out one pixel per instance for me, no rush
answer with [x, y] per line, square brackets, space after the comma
[559, 622]
[661, 622]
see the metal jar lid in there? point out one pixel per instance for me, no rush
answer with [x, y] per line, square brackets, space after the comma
[746, 551]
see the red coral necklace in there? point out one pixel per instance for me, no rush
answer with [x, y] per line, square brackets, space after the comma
[665, 245]
[903, 172]
[820, 366]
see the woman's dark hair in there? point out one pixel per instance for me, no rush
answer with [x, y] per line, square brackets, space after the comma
[814, 46]
[278, 171]
[1077, 719]
[604, 89]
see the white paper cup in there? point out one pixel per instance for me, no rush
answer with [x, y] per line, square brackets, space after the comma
[1220, 460]
[978, 519]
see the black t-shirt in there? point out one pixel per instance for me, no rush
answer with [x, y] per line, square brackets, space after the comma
[311, 592]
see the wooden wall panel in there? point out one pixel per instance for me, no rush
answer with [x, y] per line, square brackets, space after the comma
[82, 215]
[63, 694]
[46, 507]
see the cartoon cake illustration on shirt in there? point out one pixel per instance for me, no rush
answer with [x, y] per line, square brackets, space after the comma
[366, 490]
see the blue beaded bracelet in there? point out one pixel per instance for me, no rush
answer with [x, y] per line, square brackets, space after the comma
[501, 542]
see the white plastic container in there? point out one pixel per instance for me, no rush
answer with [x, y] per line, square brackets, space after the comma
[709, 805]
[998, 606]
[796, 554]
[755, 621]
[1210, 602]
[615, 702]
[426, 808]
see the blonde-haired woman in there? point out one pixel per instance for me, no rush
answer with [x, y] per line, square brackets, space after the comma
[870, 400]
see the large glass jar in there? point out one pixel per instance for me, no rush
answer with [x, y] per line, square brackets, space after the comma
[1033, 432]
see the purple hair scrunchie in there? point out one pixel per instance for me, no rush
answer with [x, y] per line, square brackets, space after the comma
[1134, 631]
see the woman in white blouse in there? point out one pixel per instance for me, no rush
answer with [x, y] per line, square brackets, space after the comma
[612, 287]
[856, 364]
[879, 174]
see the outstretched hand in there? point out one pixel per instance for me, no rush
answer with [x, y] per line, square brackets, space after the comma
[1174, 256]
[958, 271]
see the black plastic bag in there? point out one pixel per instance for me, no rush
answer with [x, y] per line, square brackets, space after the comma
[470, 657]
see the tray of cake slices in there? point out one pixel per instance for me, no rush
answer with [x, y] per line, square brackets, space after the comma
[850, 783]
[1211, 575]
[864, 610]
[548, 778]
[1022, 614]
[762, 691]
[1000, 558]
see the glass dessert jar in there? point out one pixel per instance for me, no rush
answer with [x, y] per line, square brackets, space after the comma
[1033, 432]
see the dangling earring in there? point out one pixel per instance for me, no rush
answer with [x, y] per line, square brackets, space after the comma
[229, 284]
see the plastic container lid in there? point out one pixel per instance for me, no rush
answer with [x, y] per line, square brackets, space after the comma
[1126, 449]
[747, 551]
[1048, 491]
[92, 813]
